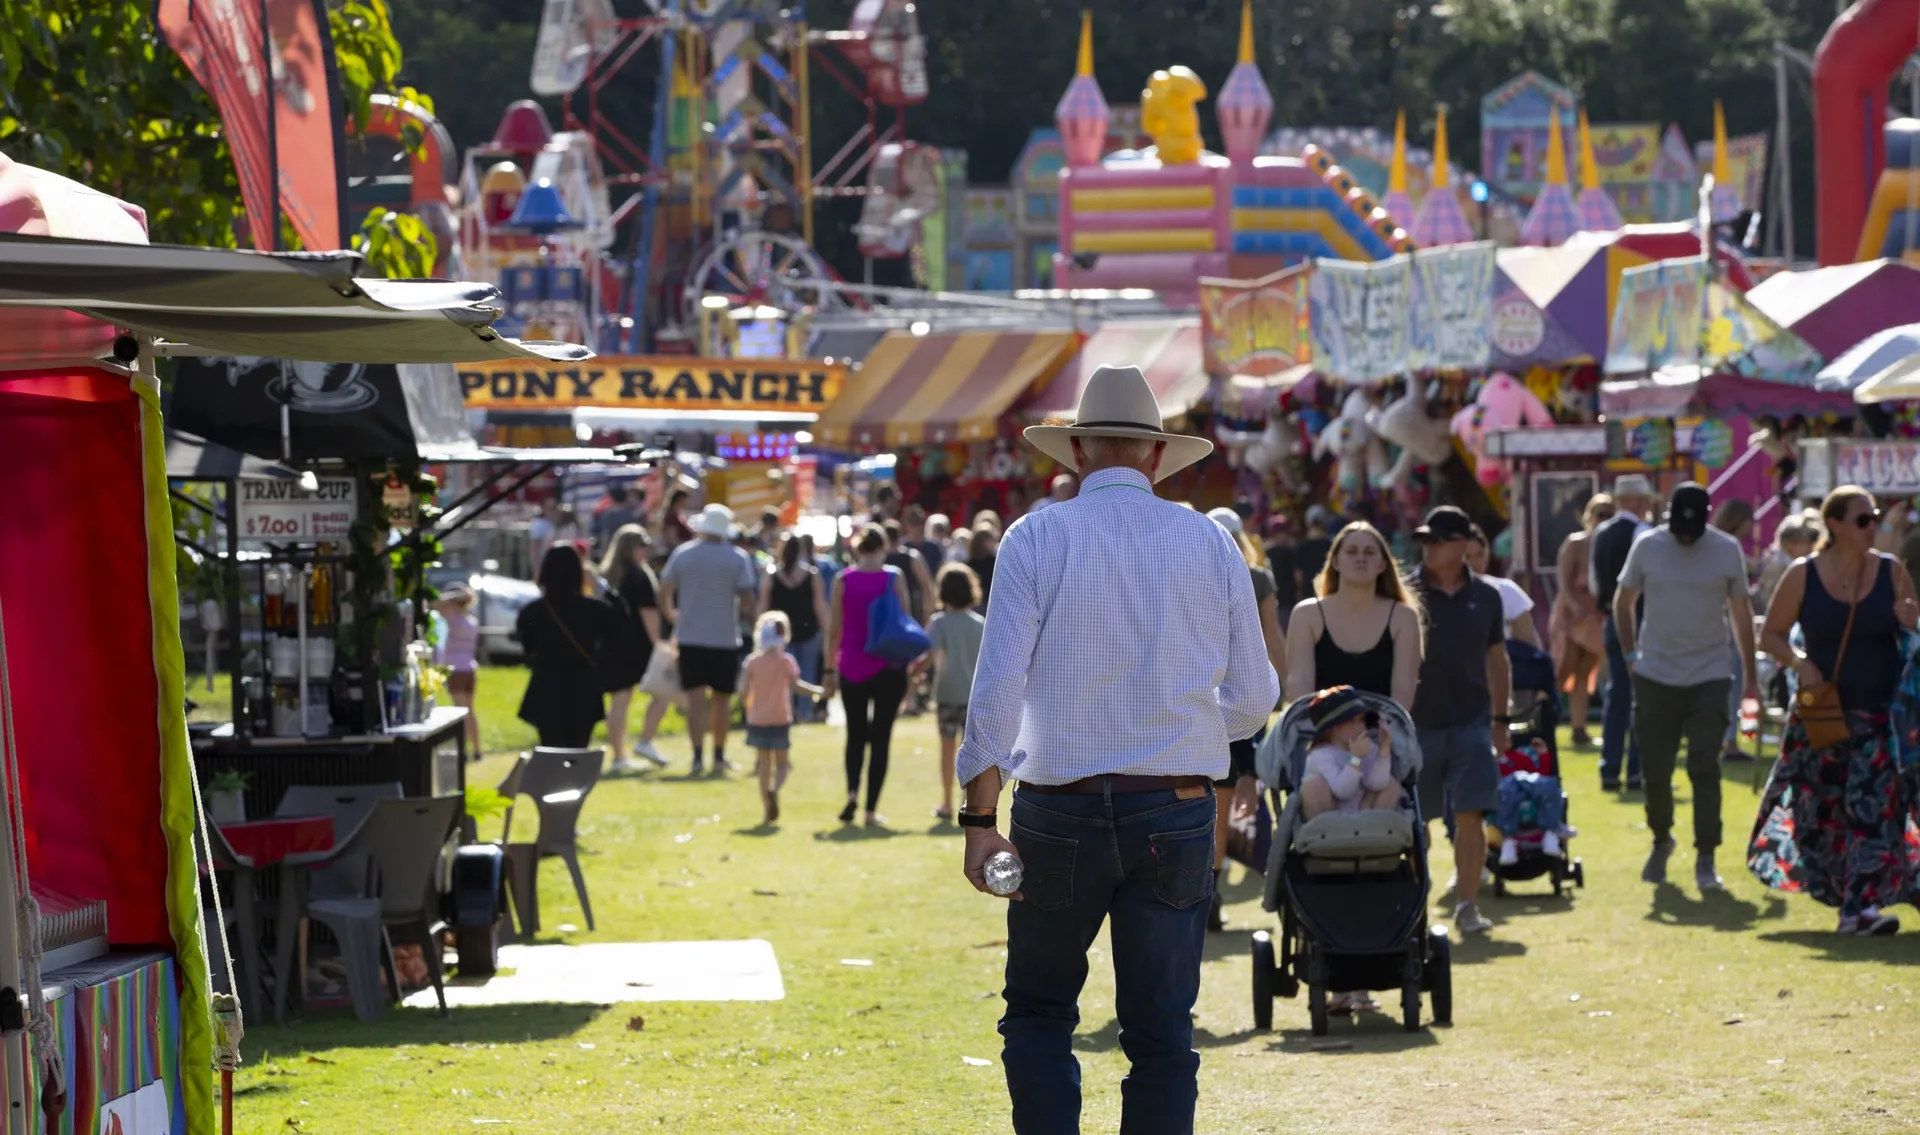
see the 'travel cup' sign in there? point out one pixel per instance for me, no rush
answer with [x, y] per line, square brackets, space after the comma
[279, 511]
[630, 383]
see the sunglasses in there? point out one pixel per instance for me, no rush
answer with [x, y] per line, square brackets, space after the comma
[1867, 519]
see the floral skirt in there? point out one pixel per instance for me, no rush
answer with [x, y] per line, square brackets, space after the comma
[1841, 824]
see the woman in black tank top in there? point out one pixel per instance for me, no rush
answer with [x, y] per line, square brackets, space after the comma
[1362, 629]
[792, 587]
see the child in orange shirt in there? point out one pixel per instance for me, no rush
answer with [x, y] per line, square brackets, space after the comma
[771, 677]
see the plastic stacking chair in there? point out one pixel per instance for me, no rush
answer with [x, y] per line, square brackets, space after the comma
[401, 842]
[559, 780]
[347, 804]
[241, 917]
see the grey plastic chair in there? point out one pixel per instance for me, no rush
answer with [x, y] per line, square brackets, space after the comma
[401, 842]
[559, 780]
[241, 915]
[347, 804]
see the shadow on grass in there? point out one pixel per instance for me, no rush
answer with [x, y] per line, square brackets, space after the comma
[1517, 904]
[1360, 1032]
[1106, 1038]
[1478, 949]
[853, 833]
[1747, 774]
[488, 1024]
[759, 831]
[1717, 910]
[1891, 950]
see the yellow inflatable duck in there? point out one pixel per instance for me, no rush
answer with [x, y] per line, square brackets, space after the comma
[1169, 114]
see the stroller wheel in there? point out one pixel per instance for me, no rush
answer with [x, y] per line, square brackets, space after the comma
[1579, 874]
[1410, 1007]
[1499, 886]
[1264, 972]
[1317, 1008]
[1439, 977]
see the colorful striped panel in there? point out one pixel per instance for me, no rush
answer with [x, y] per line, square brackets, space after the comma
[1253, 201]
[1144, 240]
[127, 1036]
[1117, 344]
[34, 1122]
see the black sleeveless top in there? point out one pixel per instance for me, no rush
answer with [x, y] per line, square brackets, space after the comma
[796, 603]
[1871, 670]
[1370, 671]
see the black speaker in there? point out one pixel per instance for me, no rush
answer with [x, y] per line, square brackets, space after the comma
[478, 901]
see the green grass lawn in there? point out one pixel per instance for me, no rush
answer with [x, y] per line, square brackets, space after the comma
[1626, 1008]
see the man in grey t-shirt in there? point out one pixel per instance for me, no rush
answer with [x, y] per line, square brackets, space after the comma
[1694, 579]
[707, 590]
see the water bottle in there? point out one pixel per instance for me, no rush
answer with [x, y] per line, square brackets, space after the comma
[1003, 872]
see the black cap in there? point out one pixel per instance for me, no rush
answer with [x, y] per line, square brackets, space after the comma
[1443, 524]
[1687, 510]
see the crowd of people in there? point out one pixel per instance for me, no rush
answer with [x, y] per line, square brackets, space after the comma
[1120, 659]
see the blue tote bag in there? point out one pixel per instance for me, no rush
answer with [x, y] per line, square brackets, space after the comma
[892, 634]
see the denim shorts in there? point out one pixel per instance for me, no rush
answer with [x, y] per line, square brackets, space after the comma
[1457, 764]
[767, 737]
[952, 720]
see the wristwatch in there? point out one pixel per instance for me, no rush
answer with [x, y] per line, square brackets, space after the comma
[972, 819]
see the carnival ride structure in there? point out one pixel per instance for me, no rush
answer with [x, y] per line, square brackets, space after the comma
[1869, 183]
[1164, 216]
[720, 196]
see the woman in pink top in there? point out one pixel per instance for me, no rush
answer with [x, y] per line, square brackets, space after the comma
[866, 684]
[459, 653]
[772, 675]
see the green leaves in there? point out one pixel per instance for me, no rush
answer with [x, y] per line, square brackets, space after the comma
[396, 245]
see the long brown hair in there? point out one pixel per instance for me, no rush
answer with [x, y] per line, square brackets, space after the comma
[620, 560]
[1387, 586]
[1834, 509]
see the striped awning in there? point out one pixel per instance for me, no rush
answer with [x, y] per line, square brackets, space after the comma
[1168, 351]
[938, 388]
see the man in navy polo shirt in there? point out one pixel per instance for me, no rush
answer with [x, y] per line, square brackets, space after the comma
[1460, 709]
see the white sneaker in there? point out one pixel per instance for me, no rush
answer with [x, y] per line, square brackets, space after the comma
[625, 764]
[1550, 845]
[1509, 852]
[646, 749]
[1468, 918]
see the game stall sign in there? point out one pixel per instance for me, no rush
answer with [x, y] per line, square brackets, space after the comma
[1431, 310]
[1256, 327]
[782, 387]
[1884, 468]
[280, 510]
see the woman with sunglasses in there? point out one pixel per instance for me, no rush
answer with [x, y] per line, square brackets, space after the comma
[1834, 821]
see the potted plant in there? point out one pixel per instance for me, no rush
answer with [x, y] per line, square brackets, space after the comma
[226, 797]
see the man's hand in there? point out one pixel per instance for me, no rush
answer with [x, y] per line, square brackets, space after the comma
[981, 844]
[1751, 684]
[1501, 739]
[1246, 798]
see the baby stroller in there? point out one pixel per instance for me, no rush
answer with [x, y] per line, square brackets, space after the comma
[1350, 889]
[1534, 747]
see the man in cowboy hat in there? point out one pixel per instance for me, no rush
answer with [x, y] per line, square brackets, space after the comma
[1122, 656]
[1612, 541]
[707, 591]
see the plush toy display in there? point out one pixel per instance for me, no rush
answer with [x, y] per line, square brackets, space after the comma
[1350, 441]
[1504, 403]
[1422, 439]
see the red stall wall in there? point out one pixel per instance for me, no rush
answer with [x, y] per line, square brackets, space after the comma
[79, 643]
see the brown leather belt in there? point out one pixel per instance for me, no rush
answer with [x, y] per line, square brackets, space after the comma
[1119, 782]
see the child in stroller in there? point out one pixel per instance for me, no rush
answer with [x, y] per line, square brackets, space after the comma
[1527, 835]
[1349, 882]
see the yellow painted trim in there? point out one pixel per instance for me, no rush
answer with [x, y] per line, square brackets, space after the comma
[1153, 240]
[1124, 200]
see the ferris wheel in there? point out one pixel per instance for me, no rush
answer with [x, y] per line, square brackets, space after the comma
[759, 267]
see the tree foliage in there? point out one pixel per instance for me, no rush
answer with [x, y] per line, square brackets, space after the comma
[87, 90]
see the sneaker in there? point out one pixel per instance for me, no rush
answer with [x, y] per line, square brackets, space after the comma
[1634, 784]
[1656, 869]
[625, 764]
[1550, 845]
[722, 766]
[1609, 784]
[1705, 877]
[1869, 924]
[1468, 918]
[1509, 852]
[646, 751]
[699, 767]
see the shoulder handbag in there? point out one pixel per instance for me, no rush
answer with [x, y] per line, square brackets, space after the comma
[892, 634]
[1819, 706]
[600, 666]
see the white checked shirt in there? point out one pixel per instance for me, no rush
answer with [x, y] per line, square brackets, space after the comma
[1123, 638]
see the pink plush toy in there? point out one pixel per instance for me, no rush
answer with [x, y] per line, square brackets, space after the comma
[1504, 403]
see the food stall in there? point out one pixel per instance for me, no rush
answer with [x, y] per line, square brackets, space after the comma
[106, 1012]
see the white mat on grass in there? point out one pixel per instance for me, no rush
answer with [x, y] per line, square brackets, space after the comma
[612, 972]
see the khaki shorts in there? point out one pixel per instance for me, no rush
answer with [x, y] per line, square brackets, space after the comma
[951, 720]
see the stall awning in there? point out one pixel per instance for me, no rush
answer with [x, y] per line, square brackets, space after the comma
[1168, 351]
[951, 386]
[302, 305]
[191, 458]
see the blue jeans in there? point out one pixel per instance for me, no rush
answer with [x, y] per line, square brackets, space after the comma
[807, 656]
[1616, 730]
[1146, 859]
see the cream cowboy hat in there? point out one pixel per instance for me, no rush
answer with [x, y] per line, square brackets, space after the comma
[714, 520]
[1118, 403]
